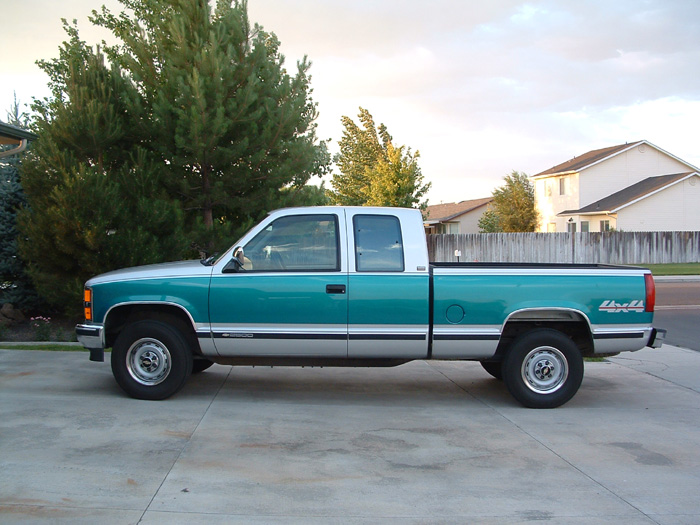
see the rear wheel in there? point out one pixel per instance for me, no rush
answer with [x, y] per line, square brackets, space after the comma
[543, 369]
[151, 360]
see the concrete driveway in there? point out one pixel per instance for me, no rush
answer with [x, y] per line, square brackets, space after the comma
[427, 442]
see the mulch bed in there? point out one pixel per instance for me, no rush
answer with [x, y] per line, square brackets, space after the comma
[61, 330]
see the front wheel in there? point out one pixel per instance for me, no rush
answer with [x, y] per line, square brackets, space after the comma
[151, 360]
[543, 369]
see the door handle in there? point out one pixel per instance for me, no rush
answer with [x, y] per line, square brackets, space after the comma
[335, 288]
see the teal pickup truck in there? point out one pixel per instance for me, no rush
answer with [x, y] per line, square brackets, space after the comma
[352, 286]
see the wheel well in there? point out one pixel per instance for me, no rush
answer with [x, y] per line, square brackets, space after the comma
[121, 316]
[572, 324]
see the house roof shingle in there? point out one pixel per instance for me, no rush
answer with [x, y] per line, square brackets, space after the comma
[587, 159]
[632, 193]
[446, 212]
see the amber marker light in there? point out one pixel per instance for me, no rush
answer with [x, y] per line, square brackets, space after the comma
[87, 302]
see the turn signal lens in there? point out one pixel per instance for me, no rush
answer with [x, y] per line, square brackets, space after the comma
[87, 303]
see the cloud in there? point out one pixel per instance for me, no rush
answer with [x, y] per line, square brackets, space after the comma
[480, 88]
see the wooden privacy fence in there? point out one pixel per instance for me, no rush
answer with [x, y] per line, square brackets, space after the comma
[604, 248]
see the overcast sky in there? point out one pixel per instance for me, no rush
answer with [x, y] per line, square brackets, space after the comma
[479, 87]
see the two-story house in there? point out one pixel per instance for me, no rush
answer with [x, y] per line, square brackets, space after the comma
[631, 187]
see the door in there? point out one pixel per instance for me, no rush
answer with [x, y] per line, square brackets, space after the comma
[290, 298]
[388, 300]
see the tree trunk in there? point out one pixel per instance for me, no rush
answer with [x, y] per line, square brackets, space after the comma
[207, 210]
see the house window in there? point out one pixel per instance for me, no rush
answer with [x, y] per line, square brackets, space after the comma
[562, 185]
[548, 188]
[448, 228]
[571, 227]
[605, 226]
[585, 227]
[552, 227]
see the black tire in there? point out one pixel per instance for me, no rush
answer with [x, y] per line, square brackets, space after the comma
[151, 360]
[495, 368]
[543, 369]
[200, 365]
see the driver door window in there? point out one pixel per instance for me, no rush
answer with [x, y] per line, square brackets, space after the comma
[296, 243]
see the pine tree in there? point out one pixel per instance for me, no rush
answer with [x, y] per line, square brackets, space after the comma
[233, 126]
[15, 285]
[374, 172]
[168, 143]
[95, 193]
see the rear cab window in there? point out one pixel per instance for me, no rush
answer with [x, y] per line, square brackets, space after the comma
[378, 243]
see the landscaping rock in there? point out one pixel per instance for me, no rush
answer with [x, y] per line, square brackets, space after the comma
[8, 311]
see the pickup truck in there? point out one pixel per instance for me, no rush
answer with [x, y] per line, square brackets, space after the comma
[352, 286]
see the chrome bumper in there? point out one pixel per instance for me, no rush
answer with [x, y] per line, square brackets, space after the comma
[657, 337]
[92, 337]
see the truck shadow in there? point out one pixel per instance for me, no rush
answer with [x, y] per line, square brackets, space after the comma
[411, 383]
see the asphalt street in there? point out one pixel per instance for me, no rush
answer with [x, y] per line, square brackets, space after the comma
[426, 442]
[678, 311]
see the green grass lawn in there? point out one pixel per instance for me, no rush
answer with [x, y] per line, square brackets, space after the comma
[73, 347]
[674, 269]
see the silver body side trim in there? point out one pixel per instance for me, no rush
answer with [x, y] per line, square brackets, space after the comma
[612, 339]
[392, 341]
[465, 342]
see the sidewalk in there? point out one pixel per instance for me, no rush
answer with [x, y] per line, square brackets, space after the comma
[677, 278]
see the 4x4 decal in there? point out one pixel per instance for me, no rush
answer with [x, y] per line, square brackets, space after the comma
[615, 307]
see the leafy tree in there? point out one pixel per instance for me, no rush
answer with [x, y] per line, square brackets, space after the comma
[513, 207]
[15, 284]
[169, 142]
[374, 172]
[490, 222]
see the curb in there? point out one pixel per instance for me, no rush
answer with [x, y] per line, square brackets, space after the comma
[5, 344]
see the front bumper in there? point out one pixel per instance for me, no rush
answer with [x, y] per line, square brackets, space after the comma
[657, 337]
[91, 336]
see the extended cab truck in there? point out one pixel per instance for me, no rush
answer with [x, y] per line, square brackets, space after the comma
[352, 286]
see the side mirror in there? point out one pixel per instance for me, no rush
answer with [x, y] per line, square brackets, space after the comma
[235, 265]
[239, 256]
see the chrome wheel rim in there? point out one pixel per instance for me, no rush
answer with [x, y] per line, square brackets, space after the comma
[148, 361]
[545, 370]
